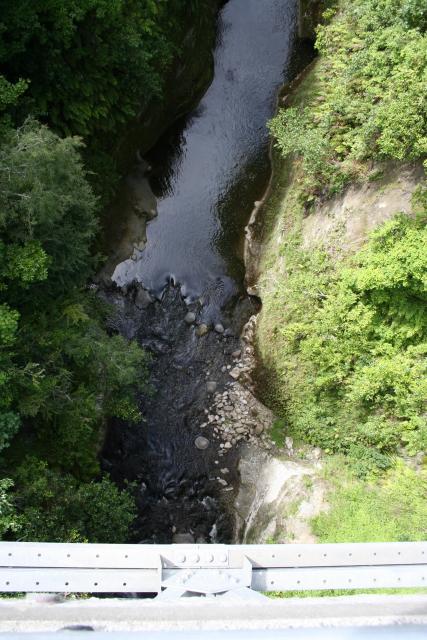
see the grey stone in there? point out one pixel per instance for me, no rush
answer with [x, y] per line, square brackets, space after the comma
[190, 317]
[183, 538]
[223, 482]
[237, 353]
[211, 386]
[227, 445]
[225, 470]
[235, 373]
[219, 328]
[201, 443]
[259, 429]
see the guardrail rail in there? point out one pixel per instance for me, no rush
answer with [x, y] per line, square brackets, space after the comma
[172, 571]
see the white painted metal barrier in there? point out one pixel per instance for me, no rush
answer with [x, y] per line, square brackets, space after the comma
[176, 570]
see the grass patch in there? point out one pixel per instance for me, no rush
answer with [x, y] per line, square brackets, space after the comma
[278, 433]
[327, 593]
[392, 508]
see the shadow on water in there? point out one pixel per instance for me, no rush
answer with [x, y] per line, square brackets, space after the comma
[206, 173]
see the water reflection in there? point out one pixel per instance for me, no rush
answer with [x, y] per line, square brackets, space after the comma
[210, 168]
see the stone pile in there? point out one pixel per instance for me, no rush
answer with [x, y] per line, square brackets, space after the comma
[235, 414]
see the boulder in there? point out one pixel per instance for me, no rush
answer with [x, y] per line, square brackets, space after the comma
[190, 318]
[201, 443]
[211, 386]
[183, 538]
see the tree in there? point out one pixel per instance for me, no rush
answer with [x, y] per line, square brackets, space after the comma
[54, 507]
[61, 374]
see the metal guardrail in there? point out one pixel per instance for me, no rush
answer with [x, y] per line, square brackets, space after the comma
[175, 570]
[398, 632]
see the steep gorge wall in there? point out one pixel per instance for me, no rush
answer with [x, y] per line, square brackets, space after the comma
[190, 75]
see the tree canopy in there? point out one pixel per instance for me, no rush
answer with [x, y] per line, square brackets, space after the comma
[74, 74]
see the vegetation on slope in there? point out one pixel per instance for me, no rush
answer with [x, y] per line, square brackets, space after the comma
[352, 344]
[77, 68]
[88, 67]
[393, 508]
[369, 99]
[345, 336]
[61, 375]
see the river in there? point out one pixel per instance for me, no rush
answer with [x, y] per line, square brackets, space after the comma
[207, 171]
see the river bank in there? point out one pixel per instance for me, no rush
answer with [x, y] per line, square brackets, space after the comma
[321, 334]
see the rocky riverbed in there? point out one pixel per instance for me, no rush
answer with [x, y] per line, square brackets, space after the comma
[182, 459]
[235, 415]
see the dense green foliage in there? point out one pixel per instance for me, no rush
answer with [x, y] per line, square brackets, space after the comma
[370, 96]
[88, 67]
[74, 74]
[61, 374]
[354, 343]
[349, 332]
[391, 510]
[54, 507]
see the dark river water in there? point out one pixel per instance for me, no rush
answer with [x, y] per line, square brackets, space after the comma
[206, 173]
[209, 170]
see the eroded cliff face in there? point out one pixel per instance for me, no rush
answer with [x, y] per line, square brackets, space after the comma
[279, 493]
[309, 16]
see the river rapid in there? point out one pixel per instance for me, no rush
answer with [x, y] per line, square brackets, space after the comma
[206, 173]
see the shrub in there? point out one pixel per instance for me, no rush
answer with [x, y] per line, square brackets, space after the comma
[54, 507]
[393, 510]
[369, 102]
